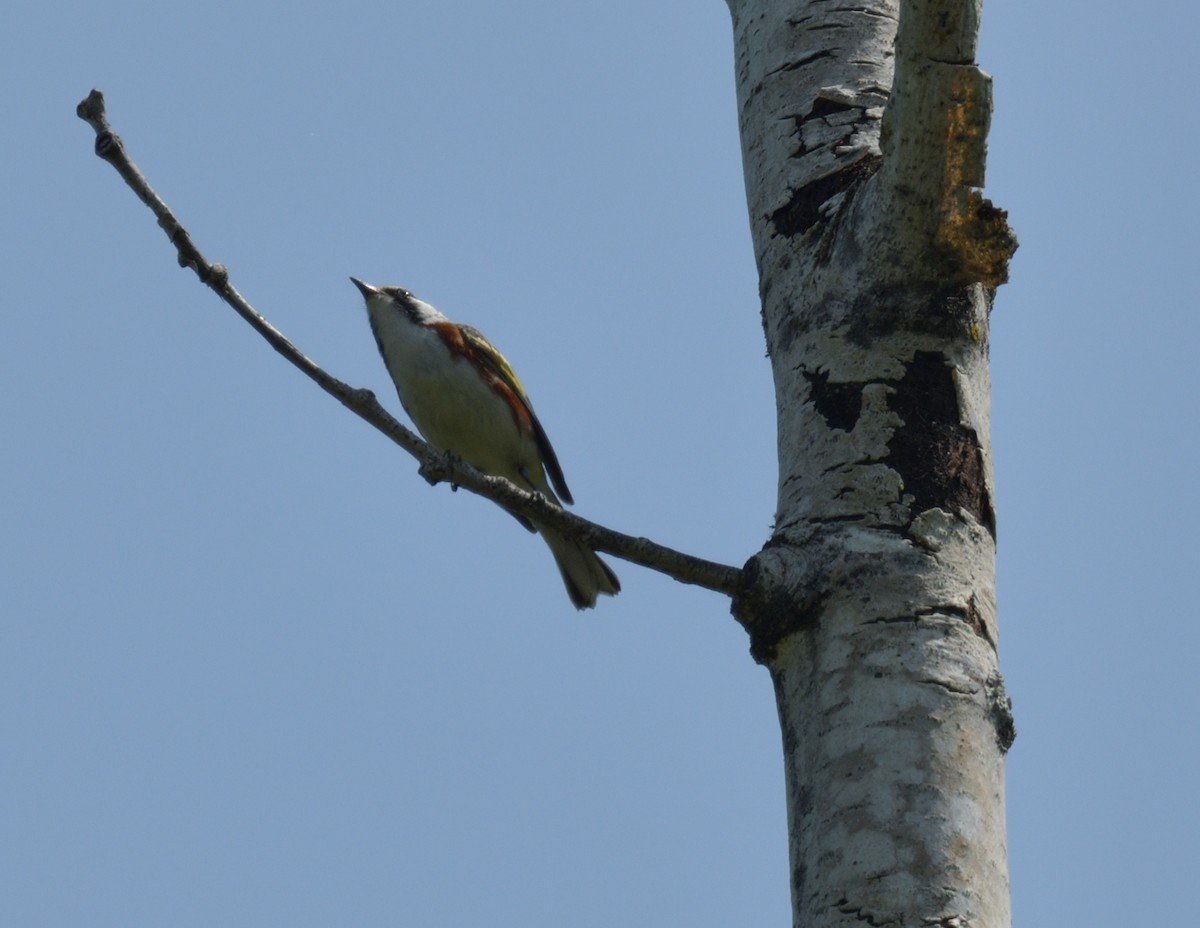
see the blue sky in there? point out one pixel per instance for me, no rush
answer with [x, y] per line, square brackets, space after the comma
[254, 671]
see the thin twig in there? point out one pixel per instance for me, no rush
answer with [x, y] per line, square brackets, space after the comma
[435, 467]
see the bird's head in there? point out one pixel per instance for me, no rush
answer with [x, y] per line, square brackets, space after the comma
[399, 300]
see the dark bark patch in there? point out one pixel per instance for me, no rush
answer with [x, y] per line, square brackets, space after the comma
[1000, 711]
[934, 310]
[938, 457]
[823, 106]
[803, 210]
[838, 403]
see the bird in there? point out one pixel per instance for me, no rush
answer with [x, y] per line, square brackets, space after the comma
[465, 400]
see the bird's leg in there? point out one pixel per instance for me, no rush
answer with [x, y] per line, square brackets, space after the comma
[436, 473]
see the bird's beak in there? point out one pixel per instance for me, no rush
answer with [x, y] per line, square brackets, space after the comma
[365, 289]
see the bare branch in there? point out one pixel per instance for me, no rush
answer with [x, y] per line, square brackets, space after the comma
[435, 467]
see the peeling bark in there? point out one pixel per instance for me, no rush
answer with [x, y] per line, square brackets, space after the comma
[873, 603]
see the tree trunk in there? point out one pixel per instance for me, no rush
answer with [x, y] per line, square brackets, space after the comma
[873, 604]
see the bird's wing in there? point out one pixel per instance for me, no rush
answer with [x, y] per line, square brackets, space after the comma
[495, 363]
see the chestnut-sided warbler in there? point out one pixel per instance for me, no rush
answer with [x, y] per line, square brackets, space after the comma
[464, 398]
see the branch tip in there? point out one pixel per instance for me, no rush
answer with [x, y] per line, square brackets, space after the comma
[91, 107]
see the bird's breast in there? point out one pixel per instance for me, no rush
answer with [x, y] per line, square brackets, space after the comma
[451, 403]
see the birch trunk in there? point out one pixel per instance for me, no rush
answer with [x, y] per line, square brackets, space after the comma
[873, 604]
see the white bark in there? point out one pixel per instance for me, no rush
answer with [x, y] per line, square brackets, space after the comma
[873, 604]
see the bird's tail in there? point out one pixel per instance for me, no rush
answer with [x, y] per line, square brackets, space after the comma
[584, 574]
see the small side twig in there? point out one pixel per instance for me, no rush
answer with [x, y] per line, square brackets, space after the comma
[435, 467]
